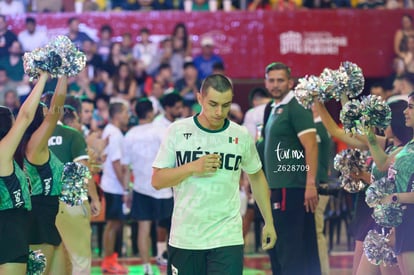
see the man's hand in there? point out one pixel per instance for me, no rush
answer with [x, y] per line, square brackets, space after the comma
[95, 207]
[269, 236]
[207, 164]
[311, 198]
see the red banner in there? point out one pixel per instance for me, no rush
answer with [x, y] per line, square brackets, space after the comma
[306, 40]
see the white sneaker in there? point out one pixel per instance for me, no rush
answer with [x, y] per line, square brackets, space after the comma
[161, 261]
[148, 269]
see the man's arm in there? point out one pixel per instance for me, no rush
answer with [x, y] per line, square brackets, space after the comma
[119, 170]
[309, 143]
[261, 195]
[169, 177]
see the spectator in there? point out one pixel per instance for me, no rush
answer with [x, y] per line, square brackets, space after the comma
[101, 112]
[32, 38]
[6, 36]
[204, 61]
[93, 60]
[77, 36]
[371, 4]
[200, 5]
[103, 47]
[115, 58]
[12, 62]
[126, 47]
[5, 85]
[218, 68]
[11, 7]
[86, 115]
[145, 50]
[81, 86]
[123, 83]
[189, 85]
[163, 56]
[259, 5]
[48, 6]
[141, 77]
[11, 101]
[182, 40]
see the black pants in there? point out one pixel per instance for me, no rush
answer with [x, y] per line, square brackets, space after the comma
[296, 249]
[226, 260]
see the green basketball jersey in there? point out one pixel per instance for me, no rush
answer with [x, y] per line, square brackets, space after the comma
[45, 179]
[403, 167]
[284, 155]
[67, 144]
[207, 207]
[14, 190]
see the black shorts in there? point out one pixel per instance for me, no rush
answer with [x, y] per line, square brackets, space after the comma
[404, 239]
[147, 208]
[362, 221]
[42, 220]
[14, 236]
[113, 207]
[226, 260]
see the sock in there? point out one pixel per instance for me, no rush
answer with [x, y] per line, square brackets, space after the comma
[161, 247]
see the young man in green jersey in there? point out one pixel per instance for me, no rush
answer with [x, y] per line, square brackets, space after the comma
[202, 157]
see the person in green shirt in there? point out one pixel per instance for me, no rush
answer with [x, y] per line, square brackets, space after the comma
[14, 187]
[290, 164]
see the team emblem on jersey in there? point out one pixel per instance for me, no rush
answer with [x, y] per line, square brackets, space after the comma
[187, 135]
[279, 111]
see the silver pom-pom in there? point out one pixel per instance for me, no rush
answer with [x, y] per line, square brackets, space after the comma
[378, 190]
[377, 250]
[74, 183]
[333, 83]
[350, 161]
[307, 89]
[355, 80]
[59, 57]
[388, 215]
[375, 112]
[350, 117]
[36, 263]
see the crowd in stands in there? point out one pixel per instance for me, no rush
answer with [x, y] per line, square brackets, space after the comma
[12, 7]
[122, 70]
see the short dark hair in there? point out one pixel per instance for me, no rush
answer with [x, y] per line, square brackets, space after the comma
[277, 66]
[68, 114]
[258, 92]
[143, 107]
[218, 65]
[144, 30]
[170, 99]
[30, 20]
[87, 100]
[71, 19]
[115, 108]
[189, 64]
[218, 82]
[75, 102]
[106, 27]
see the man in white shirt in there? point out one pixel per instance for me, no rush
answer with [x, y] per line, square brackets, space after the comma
[149, 205]
[32, 38]
[11, 7]
[258, 97]
[112, 185]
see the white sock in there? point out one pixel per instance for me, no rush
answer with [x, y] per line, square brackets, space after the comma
[161, 247]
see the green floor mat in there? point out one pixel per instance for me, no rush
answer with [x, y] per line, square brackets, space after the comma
[138, 270]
